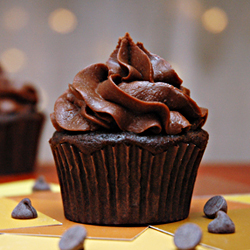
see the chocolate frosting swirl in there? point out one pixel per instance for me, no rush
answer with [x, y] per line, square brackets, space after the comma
[14, 99]
[134, 91]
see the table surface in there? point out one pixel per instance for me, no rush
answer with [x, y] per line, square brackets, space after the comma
[212, 179]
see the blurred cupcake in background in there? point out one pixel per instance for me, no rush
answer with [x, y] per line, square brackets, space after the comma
[20, 126]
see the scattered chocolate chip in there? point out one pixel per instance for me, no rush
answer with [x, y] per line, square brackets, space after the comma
[41, 184]
[213, 205]
[73, 238]
[24, 210]
[222, 224]
[187, 236]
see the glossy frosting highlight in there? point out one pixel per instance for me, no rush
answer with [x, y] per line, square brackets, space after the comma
[134, 91]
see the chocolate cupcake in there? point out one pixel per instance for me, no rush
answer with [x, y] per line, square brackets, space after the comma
[128, 142]
[20, 126]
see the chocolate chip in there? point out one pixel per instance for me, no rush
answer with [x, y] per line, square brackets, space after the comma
[24, 210]
[41, 184]
[187, 236]
[213, 205]
[73, 238]
[222, 224]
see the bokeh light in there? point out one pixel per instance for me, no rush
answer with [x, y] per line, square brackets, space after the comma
[13, 60]
[62, 21]
[215, 20]
[15, 18]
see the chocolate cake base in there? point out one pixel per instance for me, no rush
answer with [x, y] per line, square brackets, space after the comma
[19, 136]
[127, 179]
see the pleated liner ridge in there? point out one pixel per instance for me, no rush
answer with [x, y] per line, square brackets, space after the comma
[125, 184]
[19, 137]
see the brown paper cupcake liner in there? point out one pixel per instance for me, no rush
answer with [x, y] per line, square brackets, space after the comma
[127, 184]
[19, 136]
